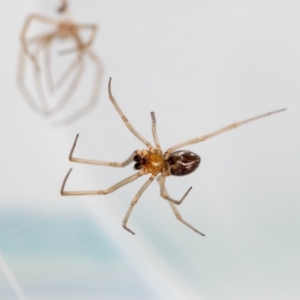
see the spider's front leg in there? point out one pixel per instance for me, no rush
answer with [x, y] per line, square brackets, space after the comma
[103, 163]
[25, 43]
[97, 162]
[98, 192]
[125, 120]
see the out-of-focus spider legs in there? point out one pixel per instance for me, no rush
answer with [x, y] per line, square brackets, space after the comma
[135, 200]
[24, 32]
[53, 86]
[82, 49]
[24, 91]
[42, 42]
[78, 63]
[91, 39]
[96, 162]
[64, 7]
[94, 95]
[219, 131]
[129, 126]
[164, 193]
[45, 43]
[48, 73]
[66, 74]
[71, 88]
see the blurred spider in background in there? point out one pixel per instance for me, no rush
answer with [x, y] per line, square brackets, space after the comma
[153, 162]
[39, 51]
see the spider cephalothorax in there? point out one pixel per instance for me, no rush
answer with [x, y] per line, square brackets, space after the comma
[154, 163]
[150, 162]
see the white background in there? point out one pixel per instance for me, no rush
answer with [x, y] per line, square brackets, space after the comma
[200, 65]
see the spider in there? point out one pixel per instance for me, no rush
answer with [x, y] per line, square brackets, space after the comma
[152, 161]
[40, 45]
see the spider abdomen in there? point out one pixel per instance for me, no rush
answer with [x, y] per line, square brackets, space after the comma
[183, 162]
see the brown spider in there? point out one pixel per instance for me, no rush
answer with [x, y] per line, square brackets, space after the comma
[38, 47]
[153, 161]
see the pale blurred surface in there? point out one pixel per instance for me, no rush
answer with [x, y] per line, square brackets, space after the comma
[199, 65]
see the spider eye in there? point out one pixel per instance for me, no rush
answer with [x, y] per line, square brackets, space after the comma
[137, 157]
[138, 166]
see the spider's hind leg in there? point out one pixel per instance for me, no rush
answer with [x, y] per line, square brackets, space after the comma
[164, 194]
[179, 218]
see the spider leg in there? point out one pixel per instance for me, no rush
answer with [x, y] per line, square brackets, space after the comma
[179, 218]
[48, 73]
[96, 162]
[76, 64]
[129, 126]
[219, 131]
[67, 73]
[39, 86]
[135, 200]
[99, 192]
[93, 29]
[45, 42]
[94, 95]
[42, 41]
[25, 28]
[154, 133]
[164, 193]
[71, 88]
[22, 87]
[37, 38]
